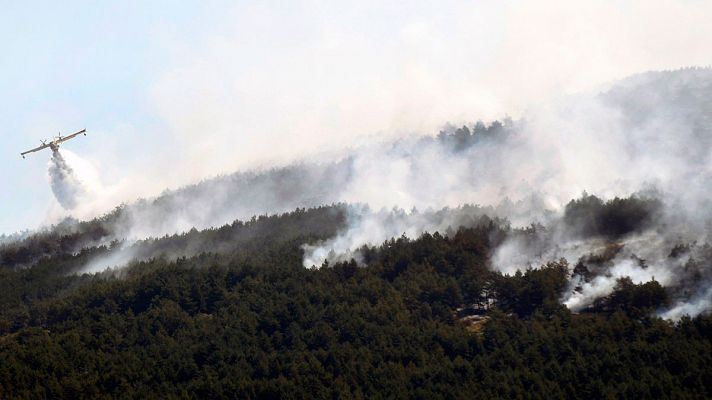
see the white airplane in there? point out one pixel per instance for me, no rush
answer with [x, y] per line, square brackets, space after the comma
[54, 144]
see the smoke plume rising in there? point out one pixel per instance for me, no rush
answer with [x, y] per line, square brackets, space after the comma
[647, 136]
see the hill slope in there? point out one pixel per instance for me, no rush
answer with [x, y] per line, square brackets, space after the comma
[537, 293]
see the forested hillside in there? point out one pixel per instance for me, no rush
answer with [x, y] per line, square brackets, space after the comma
[421, 318]
[567, 254]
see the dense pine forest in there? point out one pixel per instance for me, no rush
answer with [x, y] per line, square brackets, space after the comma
[345, 199]
[418, 318]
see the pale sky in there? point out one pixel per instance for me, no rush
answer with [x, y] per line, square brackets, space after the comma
[172, 92]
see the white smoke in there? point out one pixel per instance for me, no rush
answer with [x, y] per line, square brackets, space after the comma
[259, 82]
[700, 303]
[641, 258]
[590, 142]
[635, 136]
[269, 82]
[119, 256]
[646, 134]
[366, 227]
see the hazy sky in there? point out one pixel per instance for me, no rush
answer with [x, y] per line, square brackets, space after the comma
[171, 92]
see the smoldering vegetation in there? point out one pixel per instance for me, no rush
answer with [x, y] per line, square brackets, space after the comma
[636, 247]
[641, 147]
[364, 226]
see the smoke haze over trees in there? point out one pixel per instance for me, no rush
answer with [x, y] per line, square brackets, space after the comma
[247, 320]
[631, 141]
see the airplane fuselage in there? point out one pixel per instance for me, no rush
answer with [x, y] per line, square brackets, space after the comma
[54, 145]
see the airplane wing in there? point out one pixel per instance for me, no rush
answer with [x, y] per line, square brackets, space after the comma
[44, 146]
[73, 135]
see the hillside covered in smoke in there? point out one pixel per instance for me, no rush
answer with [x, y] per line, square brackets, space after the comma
[649, 131]
[647, 136]
[539, 250]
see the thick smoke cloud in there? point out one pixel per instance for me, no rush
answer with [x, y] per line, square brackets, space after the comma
[701, 302]
[649, 134]
[258, 82]
[374, 227]
[269, 82]
[609, 144]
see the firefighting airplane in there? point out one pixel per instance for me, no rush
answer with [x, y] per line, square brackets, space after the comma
[54, 145]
